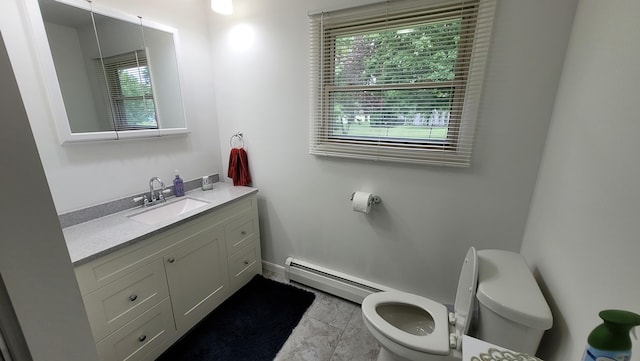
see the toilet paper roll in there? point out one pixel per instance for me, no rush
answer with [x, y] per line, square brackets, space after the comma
[362, 202]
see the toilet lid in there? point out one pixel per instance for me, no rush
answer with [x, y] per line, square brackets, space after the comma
[465, 295]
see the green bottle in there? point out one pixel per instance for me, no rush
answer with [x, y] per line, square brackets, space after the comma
[610, 340]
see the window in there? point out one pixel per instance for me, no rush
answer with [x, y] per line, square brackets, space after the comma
[399, 81]
[130, 93]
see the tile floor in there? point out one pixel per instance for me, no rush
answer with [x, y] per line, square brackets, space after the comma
[331, 330]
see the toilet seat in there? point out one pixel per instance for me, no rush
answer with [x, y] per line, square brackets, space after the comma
[436, 342]
[449, 328]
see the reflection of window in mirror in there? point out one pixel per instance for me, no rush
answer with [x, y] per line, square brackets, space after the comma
[129, 91]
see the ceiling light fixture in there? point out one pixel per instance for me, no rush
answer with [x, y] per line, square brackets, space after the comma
[224, 7]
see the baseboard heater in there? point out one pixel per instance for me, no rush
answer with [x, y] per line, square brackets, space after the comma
[337, 283]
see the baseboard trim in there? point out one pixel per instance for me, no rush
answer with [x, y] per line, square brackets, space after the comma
[272, 267]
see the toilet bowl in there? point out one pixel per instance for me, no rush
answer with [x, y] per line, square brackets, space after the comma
[414, 328]
[512, 312]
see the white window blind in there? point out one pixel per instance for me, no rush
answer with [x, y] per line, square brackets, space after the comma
[399, 81]
[129, 91]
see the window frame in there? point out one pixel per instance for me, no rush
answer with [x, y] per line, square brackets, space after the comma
[112, 66]
[468, 69]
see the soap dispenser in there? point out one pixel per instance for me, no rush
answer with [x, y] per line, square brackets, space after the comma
[178, 185]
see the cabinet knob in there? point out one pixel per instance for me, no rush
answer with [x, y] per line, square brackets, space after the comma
[142, 338]
[244, 233]
[246, 262]
[133, 298]
[171, 259]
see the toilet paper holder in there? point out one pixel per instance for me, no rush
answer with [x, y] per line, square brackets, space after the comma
[374, 199]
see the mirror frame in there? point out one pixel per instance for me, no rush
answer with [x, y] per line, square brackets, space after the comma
[49, 76]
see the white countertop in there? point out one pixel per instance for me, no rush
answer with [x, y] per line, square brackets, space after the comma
[478, 350]
[90, 240]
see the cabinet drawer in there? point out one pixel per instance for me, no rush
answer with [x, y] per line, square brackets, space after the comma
[119, 302]
[240, 232]
[142, 339]
[245, 264]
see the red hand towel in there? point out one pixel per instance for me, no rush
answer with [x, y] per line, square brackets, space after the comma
[239, 167]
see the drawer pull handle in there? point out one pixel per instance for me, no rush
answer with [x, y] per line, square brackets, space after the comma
[133, 298]
[246, 262]
[142, 338]
[171, 260]
[244, 233]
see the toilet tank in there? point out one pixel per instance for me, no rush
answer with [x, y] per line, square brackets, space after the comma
[512, 311]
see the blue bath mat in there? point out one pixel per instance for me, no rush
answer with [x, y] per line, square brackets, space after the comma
[251, 325]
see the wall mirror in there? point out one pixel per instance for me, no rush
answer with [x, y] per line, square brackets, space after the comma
[108, 75]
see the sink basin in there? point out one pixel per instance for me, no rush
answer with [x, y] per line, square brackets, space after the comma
[167, 211]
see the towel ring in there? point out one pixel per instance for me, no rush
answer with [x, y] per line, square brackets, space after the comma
[240, 138]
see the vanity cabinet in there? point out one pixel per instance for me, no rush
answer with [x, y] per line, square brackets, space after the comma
[142, 298]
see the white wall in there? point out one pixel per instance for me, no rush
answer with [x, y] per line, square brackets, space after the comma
[66, 48]
[416, 239]
[582, 234]
[84, 174]
[34, 263]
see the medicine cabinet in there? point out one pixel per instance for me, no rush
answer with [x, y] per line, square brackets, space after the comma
[108, 75]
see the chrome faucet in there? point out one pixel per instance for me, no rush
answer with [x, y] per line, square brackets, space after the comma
[152, 194]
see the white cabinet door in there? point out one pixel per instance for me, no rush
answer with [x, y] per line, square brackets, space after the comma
[197, 274]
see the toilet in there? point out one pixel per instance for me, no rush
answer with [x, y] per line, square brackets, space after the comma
[512, 312]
